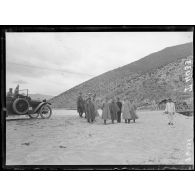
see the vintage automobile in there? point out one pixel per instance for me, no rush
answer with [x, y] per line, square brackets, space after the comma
[22, 104]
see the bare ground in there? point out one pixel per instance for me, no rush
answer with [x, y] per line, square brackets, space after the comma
[66, 139]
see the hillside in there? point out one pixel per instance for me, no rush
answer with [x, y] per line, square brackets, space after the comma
[154, 77]
[38, 96]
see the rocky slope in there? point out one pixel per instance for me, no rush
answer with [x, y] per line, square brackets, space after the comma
[154, 77]
[38, 96]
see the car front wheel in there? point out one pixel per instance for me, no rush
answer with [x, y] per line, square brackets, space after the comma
[45, 111]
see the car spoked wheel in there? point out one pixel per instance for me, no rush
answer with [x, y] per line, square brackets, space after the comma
[35, 115]
[45, 111]
[20, 106]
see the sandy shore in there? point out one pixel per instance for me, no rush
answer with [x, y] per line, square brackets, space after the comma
[66, 139]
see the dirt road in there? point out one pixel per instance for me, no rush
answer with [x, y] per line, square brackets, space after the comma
[66, 139]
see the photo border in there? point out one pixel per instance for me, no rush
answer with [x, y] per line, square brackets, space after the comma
[79, 28]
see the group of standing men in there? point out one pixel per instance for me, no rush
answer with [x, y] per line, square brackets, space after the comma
[110, 110]
[114, 110]
[87, 106]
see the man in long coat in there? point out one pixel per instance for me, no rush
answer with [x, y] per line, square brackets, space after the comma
[170, 110]
[133, 111]
[126, 110]
[80, 105]
[85, 106]
[113, 110]
[90, 111]
[106, 111]
[95, 104]
[119, 104]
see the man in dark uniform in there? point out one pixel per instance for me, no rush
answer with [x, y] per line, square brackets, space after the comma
[10, 92]
[80, 105]
[90, 109]
[113, 110]
[85, 106]
[119, 104]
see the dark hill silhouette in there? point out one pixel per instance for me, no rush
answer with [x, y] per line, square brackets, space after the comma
[136, 80]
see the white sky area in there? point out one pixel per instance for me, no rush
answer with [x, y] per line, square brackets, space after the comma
[51, 63]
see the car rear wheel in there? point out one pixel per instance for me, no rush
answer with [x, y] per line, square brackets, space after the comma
[45, 111]
[35, 115]
[20, 106]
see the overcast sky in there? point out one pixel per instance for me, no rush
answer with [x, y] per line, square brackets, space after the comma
[51, 63]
